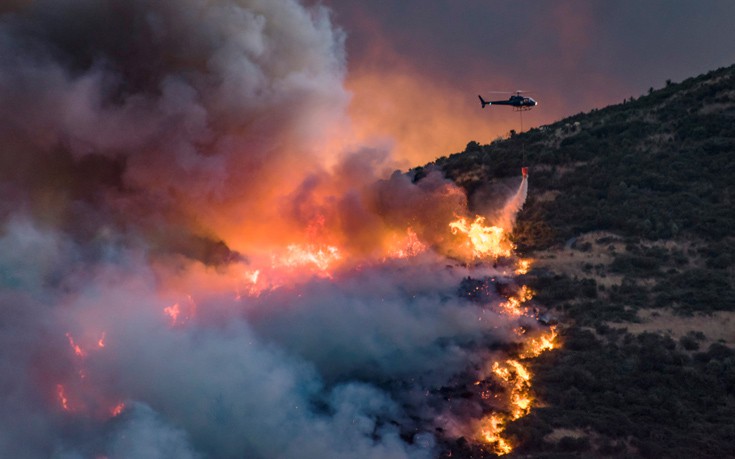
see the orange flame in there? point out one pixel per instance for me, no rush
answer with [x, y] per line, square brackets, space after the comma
[101, 341]
[523, 266]
[320, 258]
[536, 346]
[410, 246]
[516, 378]
[514, 305]
[491, 429]
[484, 241]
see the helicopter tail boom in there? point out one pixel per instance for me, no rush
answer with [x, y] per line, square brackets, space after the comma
[484, 102]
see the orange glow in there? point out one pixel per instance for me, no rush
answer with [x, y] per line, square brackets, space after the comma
[252, 276]
[484, 241]
[61, 395]
[173, 312]
[101, 341]
[536, 346]
[317, 257]
[523, 265]
[516, 379]
[514, 305]
[491, 429]
[410, 246]
[78, 351]
[252, 287]
[424, 117]
[117, 409]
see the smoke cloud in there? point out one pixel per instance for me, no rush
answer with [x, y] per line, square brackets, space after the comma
[195, 259]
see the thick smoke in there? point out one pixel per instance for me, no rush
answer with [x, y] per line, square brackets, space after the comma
[187, 109]
[155, 153]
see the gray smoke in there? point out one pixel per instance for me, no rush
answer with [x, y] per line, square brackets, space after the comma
[137, 136]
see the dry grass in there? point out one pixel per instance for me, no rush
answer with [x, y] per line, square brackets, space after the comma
[717, 327]
[558, 434]
[571, 262]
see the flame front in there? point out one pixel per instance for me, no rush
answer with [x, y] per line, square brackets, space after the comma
[523, 266]
[537, 346]
[317, 252]
[491, 429]
[514, 305]
[484, 241]
[512, 374]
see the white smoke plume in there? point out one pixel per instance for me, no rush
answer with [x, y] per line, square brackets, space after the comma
[153, 153]
[514, 205]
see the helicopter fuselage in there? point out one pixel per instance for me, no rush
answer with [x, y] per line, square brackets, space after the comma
[517, 101]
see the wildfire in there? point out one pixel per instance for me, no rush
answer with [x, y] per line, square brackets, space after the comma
[75, 347]
[490, 431]
[516, 379]
[286, 264]
[173, 312]
[117, 409]
[276, 266]
[523, 266]
[87, 398]
[410, 246]
[485, 241]
[179, 313]
[320, 258]
[61, 394]
[536, 346]
[514, 305]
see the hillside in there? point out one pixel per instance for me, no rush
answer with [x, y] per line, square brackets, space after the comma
[629, 218]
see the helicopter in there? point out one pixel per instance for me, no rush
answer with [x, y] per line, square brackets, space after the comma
[516, 101]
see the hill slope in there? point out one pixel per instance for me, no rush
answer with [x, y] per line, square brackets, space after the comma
[630, 217]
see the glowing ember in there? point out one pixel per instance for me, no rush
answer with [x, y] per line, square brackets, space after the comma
[117, 409]
[485, 241]
[173, 312]
[75, 347]
[514, 305]
[61, 394]
[410, 246]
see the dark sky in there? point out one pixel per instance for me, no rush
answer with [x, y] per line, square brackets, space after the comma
[416, 66]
